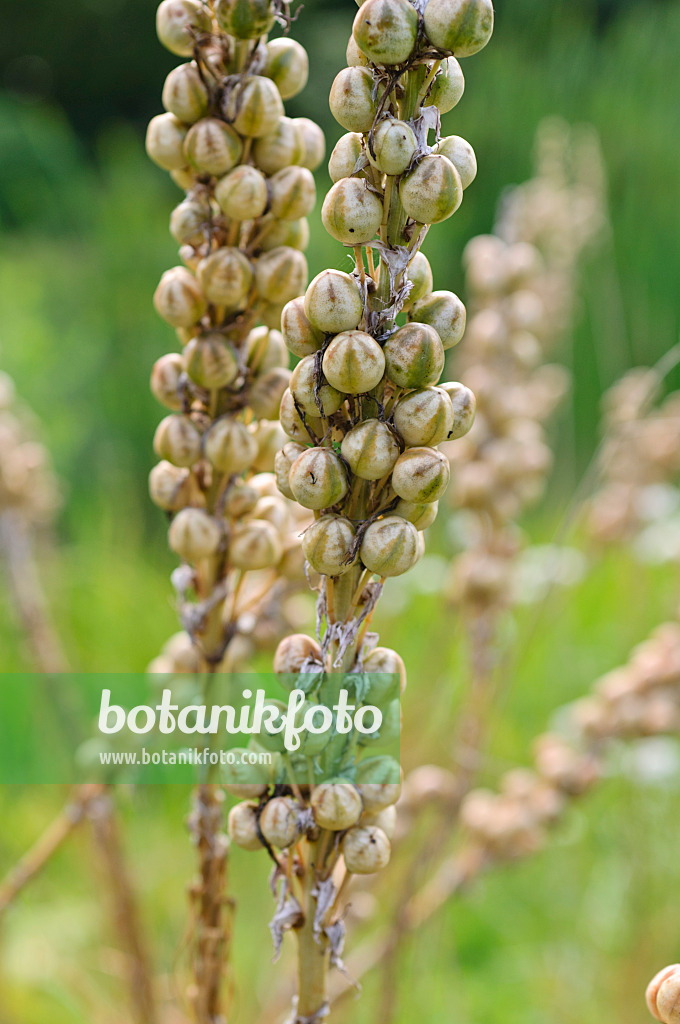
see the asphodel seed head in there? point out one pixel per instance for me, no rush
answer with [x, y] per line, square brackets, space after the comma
[354, 362]
[265, 395]
[242, 194]
[212, 147]
[348, 149]
[254, 106]
[245, 19]
[292, 423]
[294, 653]
[185, 94]
[351, 99]
[351, 212]
[421, 475]
[663, 995]
[165, 380]
[414, 356]
[333, 302]
[424, 417]
[165, 138]
[385, 660]
[385, 820]
[462, 156]
[461, 27]
[229, 446]
[279, 821]
[464, 406]
[378, 782]
[394, 146]
[314, 397]
[177, 440]
[194, 535]
[390, 546]
[353, 55]
[239, 499]
[292, 193]
[189, 222]
[269, 437]
[171, 487]
[386, 30]
[282, 463]
[179, 23]
[279, 149]
[265, 350]
[445, 312]
[287, 65]
[254, 544]
[242, 826]
[318, 479]
[419, 273]
[447, 88]
[301, 338]
[371, 449]
[179, 299]
[432, 191]
[238, 776]
[313, 143]
[327, 543]
[420, 515]
[226, 277]
[280, 275]
[366, 850]
[294, 233]
[336, 805]
[211, 361]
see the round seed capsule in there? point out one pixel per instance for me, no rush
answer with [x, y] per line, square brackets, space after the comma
[445, 312]
[421, 475]
[267, 392]
[282, 463]
[421, 516]
[212, 147]
[226, 277]
[170, 487]
[448, 87]
[211, 361]
[462, 156]
[314, 396]
[663, 995]
[242, 194]
[228, 446]
[194, 535]
[462, 27]
[269, 437]
[333, 302]
[354, 363]
[179, 23]
[280, 275]
[254, 106]
[294, 233]
[239, 499]
[287, 65]
[265, 350]
[378, 782]
[385, 660]
[292, 423]
[394, 146]
[386, 30]
[165, 139]
[279, 822]
[424, 417]
[242, 826]
[414, 356]
[292, 193]
[370, 449]
[245, 19]
[189, 222]
[365, 850]
[165, 380]
[464, 406]
[177, 440]
[317, 479]
[185, 94]
[419, 273]
[238, 776]
[313, 143]
[351, 213]
[179, 299]
[326, 545]
[294, 652]
[351, 99]
[280, 148]
[255, 544]
[385, 820]
[390, 546]
[432, 191]
[353, 55]
[348, 149]
[300, 337]
[336, 805]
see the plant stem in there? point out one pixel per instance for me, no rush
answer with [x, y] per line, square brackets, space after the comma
[312, 957]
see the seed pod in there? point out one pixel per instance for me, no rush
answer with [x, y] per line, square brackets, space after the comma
[464, 406]
[265, 350]
[242, 826]
[239, 499]
[663, 995]
[228, 446]
[445, 312]
[462, 156]
[421, 516]
[282, 463]
[194, 535]
[294, 233]
[165, 380]
[178, 298]
[394, 145]
[287, 65]
[245, 19]
[170, 487]
[315, 397]
[292, 193]
[421, 475]
[279, 149]
[351, 213]
[432, 191]
[462, 27]
[385, 820]
[185, 94]
[292, 423]
[238, 776]
[242, 194]
[179, 23]
[211, 361]
[365, 850]
[378, 782]
[313, 143]
[390, 546]
[336, 805]
[294, 652]
[419, 273]
[354, 362]
[184, 178]
[165, 138]
[370, 449]
[386, 30]
[424, 417]
[351, 99]
[280, 275]
[254, 106]
[267, 392]
[212, 147]
[353, 55]
[189, 222]
[333, 302]
[300, 337]
[348, 149]
[385, 660]
[448, 87]
[269, 437]
[254, 544]
[279, 821]
[226, 277]
[414, 356]
[269, 313]
[317, 478]
[326, 545]
[177, 440]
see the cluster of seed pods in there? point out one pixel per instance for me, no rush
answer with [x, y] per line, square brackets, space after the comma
[247, 172]
[28, 486]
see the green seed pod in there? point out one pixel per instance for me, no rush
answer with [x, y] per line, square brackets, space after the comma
[390, 546]
[419, 273]
[292, 193]
[351, 99]
[313, 143]
[353, 55]
[394, 145]
[238, 776]
[336, 805]
[287, 65]
[462, 156]
[282, 463]
[447, 88]
[242, 194]
[254, 107]
[171, 487]
[344, 157]
[280, 148]
[333, 302]
[165, 380]
[228, 446]
[245, 19]
[242, 826]
[212, 147]
[351, 212]
[354, 363]
[226, 277]
[211, 361]
[424, 417]
[292, 424]
[239, 500]
[366, 850]
[266, 393]
[179, 299]
[279, 822]
[385, 820]
[390, 728]
[280, 275]
[184, 178]
[414, 356]
[386, 30]
[421, 475]
[313, 396]
[421, 516]
[177, 440]
[385, 660]
[194, 535]
[300, 337]
[269, 313]
[269, 437]
[378, 782]
[326, 545]
[254, 544]
[432, 191]
[185, 94]
[265, 350]
[294, 652]
[293, 233]
[445, 313]
[179, 23]
[189, 222]
[317, 479]
[165, 138]
[462, 27]
[464, 406]
[370, 449]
